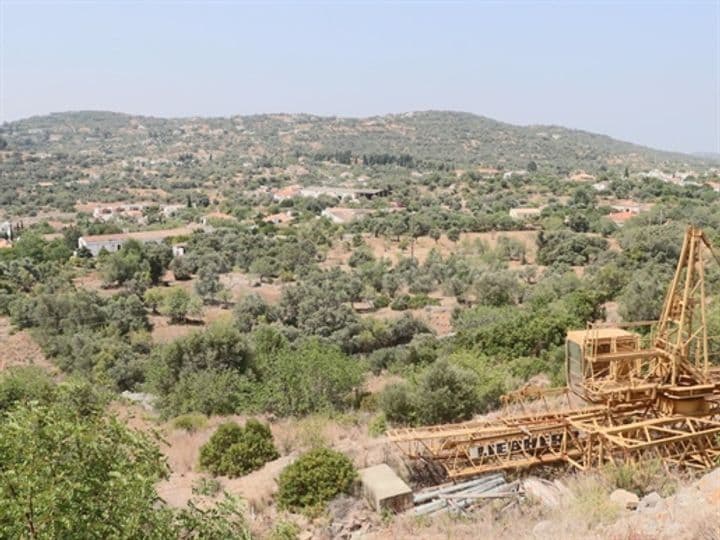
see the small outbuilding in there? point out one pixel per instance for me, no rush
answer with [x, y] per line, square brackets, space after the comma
[385, 490]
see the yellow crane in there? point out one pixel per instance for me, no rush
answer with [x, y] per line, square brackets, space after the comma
[647, 389]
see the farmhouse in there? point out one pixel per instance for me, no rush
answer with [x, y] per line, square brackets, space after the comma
[287, 192]
[581, 176]
[619, 218]
[6, 230]
[342, 192]
[341, 215]
[280, 218]
[217, 216]
[524, 213]
[113, 242]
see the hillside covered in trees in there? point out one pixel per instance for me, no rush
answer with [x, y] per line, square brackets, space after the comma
[438, 136]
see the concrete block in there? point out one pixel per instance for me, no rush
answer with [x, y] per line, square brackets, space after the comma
[385, 490]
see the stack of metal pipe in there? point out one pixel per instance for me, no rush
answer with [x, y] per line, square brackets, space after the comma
[456, 497]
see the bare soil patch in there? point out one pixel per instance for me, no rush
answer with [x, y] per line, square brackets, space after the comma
[20, 349]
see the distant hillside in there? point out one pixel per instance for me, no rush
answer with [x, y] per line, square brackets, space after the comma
[460, 138]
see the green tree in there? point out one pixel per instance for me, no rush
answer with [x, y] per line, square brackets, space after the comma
[181, 268]
[221, 347]
[22, 384]
[251, 310]
[263, 267]
[62, 473]
[154, 297]
[208, 285]
[312, 378]
[177, 304]
[69, 471]
[642, 297]
[314, 479]
[446, 393]
[235, 451]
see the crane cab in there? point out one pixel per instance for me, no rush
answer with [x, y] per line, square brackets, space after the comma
[598, 356]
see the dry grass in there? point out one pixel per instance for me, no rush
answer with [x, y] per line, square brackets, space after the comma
[18, 348]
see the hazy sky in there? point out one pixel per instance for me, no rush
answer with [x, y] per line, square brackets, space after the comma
[643, 71]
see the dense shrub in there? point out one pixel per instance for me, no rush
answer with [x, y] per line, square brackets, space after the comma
[190, 422]
[568, 247]
[221, 347]
[208, 392]
[181, 268]
[66, 467]
[314, 479]
[23, 384]
[397, 403]
[418, 301]
[312, 378]
[446, 393]
[234, 451]
[63, 473]
[511, 331]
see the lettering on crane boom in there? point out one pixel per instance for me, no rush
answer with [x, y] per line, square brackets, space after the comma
[505, 448]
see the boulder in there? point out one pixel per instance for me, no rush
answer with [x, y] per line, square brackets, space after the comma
[542, 529]
[625, 499]
[542, 490]
[709, 484]
[651, 500]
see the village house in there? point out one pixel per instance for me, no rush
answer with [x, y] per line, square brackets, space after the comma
[619, 218]
[287, 192]
[217, 216]
[341, 215]
[281, 218]
[6, 230]
[581, 176]
[170, 210]
[510, 174]
[487, 172]
[524, 214]
[178, 250]
[342, 193]
[113, 242]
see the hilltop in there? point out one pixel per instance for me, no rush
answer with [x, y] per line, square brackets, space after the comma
[437, 136]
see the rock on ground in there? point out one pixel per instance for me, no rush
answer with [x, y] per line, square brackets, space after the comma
[624, 499]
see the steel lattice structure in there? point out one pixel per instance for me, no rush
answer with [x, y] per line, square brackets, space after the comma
[651, 394]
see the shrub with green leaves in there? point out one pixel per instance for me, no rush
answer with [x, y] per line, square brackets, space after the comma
[314, 479]
[23, 384]
[207, 487]
[190, 422]
[311, 378]
[444, 392]
[235, 451]
[63, 472]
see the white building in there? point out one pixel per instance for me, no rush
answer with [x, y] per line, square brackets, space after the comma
[113, 242]
[524, 213]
